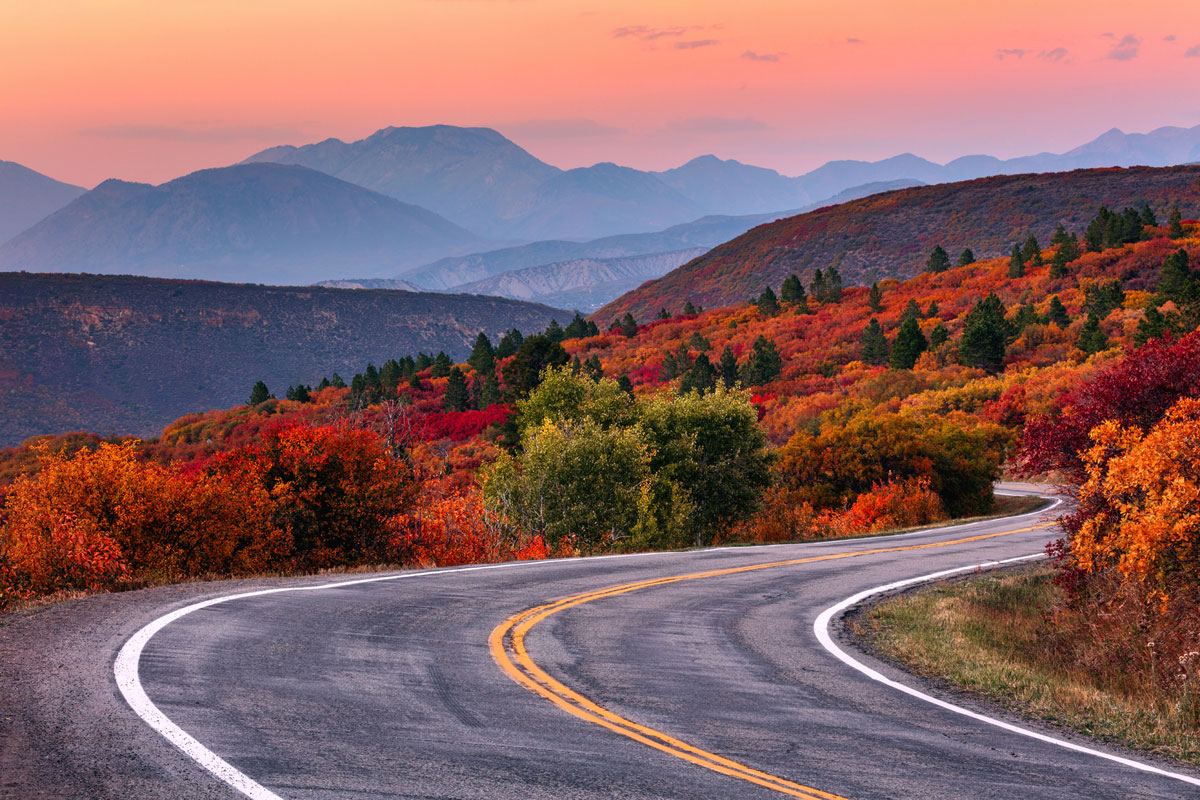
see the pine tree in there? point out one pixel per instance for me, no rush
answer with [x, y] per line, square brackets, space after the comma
[938, 261]
[577, 328]
[698, 343]
[456, 398]
[1154, 325]
[593, 368]
[1066, 250]
[938, 336]
[1148, 217]
[1060, 236]
[414, 380]
[664, 314]
[966, 257]
[908, 346]
[483, 357]
[768, 304]
[554, 332]
[911, 311]
[985, 335]
[874, 345]
[487, 390]
[728, 368]
[875, 298]
[625, 384]
[441, 365]
[700, 378]
[764, 364]
[1175, 224]
[629, 326]
[259, 394]
[833, 286]
[933, 310]
[689, 310]
[389, 376]
[1091, 338]
[323, 385]
[1057, 313]
[817, 289]
[791, 290]
[1031, 253]
[337, 382]
[1016, 264]
[1176, 281]
[424, 362]
[509, 343]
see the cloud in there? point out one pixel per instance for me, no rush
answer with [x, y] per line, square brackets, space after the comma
[1192, 52]
[1054, 56]
[647, 34]
[1169, 38]
[1126, 49]
[750, 55]
[173, 133]
[853, 40]
[716, 125]
[567, 128]
[1010, 53]
[692, 45]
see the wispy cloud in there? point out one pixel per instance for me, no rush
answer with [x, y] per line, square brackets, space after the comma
[174, 133]
[750, 55]
[853, 40]
[648, 34]
[1054, 56]
[1010, 52]
[1169, 38]
[717, 125]
[693, 44]
[1126, 49]
[1192, 52]
[566, 128]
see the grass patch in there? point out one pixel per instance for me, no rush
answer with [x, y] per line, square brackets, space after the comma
[990, 636]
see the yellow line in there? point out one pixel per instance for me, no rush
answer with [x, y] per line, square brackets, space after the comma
[507, 643]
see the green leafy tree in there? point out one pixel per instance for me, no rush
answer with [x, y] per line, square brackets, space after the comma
[875, 298]
[874, 345]
[1057, 313]
[259, 393]
[938, 261]
[966, 257]
[712, 446]
[1091, 337]
[908, 346]
[985, 335]
[483, 357]
[764, 364]
[564, 398]
[457, 397]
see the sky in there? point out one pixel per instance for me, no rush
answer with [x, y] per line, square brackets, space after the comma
[149, 90]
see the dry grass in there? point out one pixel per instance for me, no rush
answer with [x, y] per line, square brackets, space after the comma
[990, 635]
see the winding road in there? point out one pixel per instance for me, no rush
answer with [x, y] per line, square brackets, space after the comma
[708, 674]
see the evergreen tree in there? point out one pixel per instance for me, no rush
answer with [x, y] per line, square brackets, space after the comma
[933, 310]
[324, 384]
[407, 366]
[625, 384]
[593, 368]
[554, 331]
[629, 326]
[1091, 338]
[1102, 297]
[509, 343]
[874, 345]
[300, 393]
[441, 365]
[700, 378]
[414, 380]
[1031, 253]
[259, 394]
[875, 298]
[1058, 313]
[1148, 217]
[424, 362]
[577, 328]
[389, 376]
[524, 372]
[1155, 325]
[689, 310]
[833, 286]
[985, 335]
[1175, 224]
[664, 314]
[486, 390]
[938, 336]
[371, 378]
[908, 346]
[1016, 264]
[483, 357]
[1176, 282]
[966, 257]
[457, 398]
[337, 382]
[817, 289]
[1060, 236]
[1026, 315]
[698, 343]
[764, 364]
[768, 304]
[728, 368]
[938, 261]
[1066, 250]
[911, 311]
[791, 290]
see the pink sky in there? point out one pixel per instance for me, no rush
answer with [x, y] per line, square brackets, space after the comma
[149, 90]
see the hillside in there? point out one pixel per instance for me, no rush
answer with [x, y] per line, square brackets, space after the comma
[583, 283]
[129, 354]
[27, 196]
[891, 234]
[278, 224]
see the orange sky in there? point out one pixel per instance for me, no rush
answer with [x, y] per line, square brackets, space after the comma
[151, 89]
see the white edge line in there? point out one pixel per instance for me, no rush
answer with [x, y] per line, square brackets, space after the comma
[821, 628]
[128, 661]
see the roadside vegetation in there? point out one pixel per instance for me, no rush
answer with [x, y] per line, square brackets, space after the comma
[814, 410]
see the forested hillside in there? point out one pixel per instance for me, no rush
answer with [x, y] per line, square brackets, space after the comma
[889, 235]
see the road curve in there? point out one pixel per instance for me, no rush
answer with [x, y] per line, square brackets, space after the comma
[397, 686]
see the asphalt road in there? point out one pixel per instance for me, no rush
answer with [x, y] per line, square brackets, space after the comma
[392, 689]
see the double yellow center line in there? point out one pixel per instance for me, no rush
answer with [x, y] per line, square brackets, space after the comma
[507, 643]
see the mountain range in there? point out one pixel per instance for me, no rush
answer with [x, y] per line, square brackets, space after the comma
[271, 223]
[129, 354]
[26, 197]
[890, 235]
